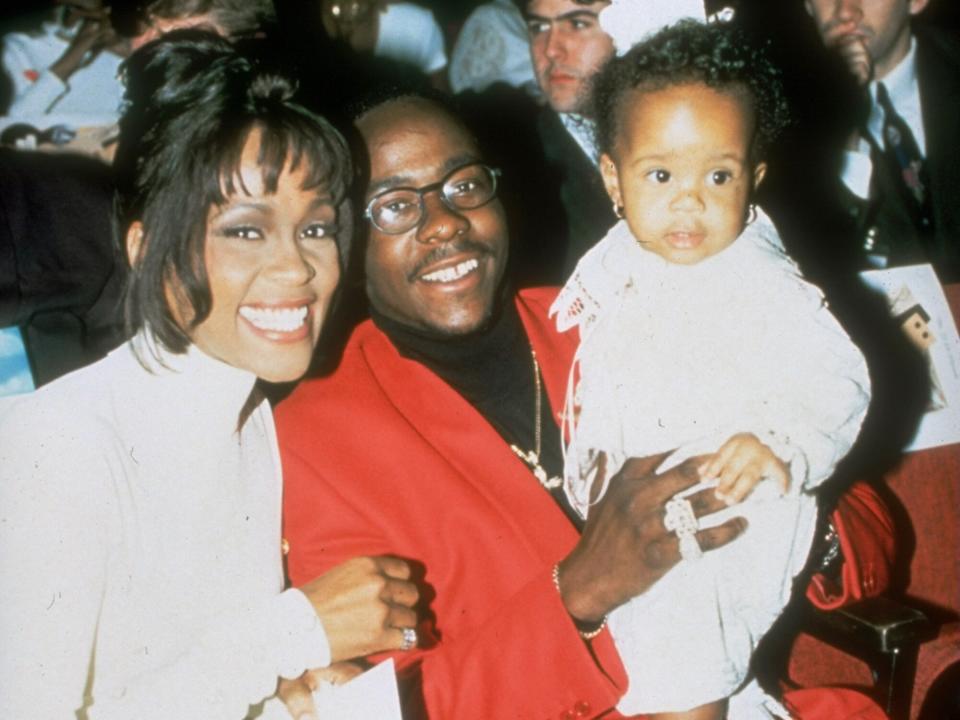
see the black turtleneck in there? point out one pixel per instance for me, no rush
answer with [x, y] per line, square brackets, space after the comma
[492, 368]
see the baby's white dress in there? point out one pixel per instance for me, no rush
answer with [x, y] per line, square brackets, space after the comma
[685, 356]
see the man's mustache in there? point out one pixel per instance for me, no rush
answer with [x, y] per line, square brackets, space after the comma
[449, 249]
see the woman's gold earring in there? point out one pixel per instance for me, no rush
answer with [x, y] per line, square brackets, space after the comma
[751, 213]
[618, 210]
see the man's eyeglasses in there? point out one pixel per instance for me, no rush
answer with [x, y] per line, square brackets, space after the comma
[398, 210]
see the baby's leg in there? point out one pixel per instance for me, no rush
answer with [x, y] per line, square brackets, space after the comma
[673, 644]
[716, 710]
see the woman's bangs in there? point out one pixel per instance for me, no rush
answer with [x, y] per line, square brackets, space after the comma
[292, 142]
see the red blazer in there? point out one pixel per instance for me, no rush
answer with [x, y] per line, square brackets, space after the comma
[383, 457]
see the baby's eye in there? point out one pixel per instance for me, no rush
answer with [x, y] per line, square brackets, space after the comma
[721, 177]
[319, 230]
[243, 232]
[659, 175]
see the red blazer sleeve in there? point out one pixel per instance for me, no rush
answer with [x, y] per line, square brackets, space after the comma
[522, 659]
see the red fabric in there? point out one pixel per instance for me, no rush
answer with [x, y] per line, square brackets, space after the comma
[384, 457]
[813, 662]
[928, 486]
[925, 489]
[832, 704]
[935, 657]
[866, 534]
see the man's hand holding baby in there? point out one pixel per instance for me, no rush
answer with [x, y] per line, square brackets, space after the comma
[740, 464]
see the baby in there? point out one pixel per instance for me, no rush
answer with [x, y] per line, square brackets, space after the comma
[698, 332]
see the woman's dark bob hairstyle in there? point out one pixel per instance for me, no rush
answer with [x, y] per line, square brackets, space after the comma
[717, 54]
[192, 101]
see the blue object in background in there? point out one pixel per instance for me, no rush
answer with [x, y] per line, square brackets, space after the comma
[15, 376]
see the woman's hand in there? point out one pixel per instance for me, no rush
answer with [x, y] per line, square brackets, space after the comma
[364, 604]
[625, 548]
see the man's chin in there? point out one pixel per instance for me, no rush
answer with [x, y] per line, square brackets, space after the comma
[566, 103]
[462, 326]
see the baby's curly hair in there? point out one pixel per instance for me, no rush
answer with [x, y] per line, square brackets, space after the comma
[717, 55]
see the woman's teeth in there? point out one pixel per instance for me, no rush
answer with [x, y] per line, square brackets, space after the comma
[275, 319]
[453, 273]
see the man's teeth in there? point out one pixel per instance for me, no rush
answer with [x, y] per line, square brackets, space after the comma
[453, 273]
[275, 319]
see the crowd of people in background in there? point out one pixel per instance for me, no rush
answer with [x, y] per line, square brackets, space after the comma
[522, 71]
[361, 210]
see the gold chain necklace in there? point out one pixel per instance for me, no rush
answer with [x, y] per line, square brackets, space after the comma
[531, 458]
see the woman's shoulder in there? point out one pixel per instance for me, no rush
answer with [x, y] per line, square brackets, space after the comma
[57, 453]
[70, 414]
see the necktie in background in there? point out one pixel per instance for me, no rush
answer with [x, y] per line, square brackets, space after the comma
[902, 151]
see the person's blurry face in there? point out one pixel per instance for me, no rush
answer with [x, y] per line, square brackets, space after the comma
[443, 274]
[348, 19]
[882, 26]
[568, 48]
[681, 169]
[273, 264]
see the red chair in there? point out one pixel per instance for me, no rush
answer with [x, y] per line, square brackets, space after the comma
[912, 635]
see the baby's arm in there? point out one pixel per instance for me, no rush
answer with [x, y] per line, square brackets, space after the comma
[808, 383]
[739, 464]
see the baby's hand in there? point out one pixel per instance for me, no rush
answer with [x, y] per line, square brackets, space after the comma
[741, 463]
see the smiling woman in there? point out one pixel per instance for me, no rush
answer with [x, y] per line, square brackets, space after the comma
[272, 265]
[260, 218]
[141, 495]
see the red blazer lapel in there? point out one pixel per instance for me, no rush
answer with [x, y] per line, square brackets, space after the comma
[468, 443]
[555, 350]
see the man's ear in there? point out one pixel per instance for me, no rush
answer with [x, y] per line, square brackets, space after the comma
[611, 179]
[758, 174]
[134, 242]
[917, 6]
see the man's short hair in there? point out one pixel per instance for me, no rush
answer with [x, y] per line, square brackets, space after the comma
[414, 89]
[523, 4]
[406, 89]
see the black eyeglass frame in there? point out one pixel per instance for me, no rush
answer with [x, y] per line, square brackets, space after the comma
[426, 189]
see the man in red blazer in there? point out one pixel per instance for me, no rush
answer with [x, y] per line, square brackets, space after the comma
[436, 439]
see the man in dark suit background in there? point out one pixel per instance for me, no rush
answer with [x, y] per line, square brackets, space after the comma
[901, 168]
[568, 48]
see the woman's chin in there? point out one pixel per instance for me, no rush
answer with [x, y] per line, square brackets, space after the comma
[279, 357]
[284, 370]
